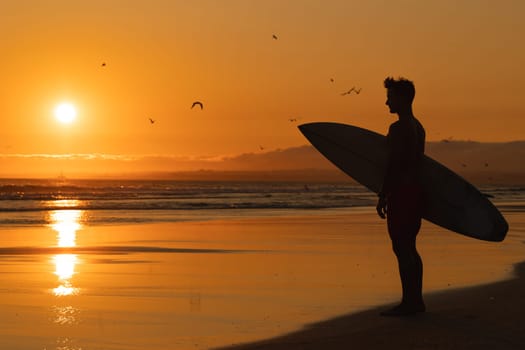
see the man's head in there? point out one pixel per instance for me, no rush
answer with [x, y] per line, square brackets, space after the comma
[400, 94]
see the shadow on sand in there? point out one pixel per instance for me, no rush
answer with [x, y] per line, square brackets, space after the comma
[489, 316]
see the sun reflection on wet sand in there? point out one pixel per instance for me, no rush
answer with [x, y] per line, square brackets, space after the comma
[66, 315]
[65, 269]
[66, 223]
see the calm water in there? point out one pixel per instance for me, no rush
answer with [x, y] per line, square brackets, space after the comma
[30, 202]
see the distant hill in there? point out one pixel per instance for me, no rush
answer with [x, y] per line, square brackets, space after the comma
[482, 163]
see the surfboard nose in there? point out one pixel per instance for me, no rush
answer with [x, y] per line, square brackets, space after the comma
[305, 127]
[318, 127]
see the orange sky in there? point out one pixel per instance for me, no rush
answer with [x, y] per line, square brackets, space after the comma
[465, 57]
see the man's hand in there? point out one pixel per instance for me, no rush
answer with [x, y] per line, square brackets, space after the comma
[381, 207]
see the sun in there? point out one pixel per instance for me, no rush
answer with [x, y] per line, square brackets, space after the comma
[65, 113]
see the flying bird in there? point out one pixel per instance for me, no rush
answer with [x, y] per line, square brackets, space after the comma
[261, 148]
[353, 89]
[197, 103]
[274, 37]
[292, 119]
[332, 80]
[347, 92]
[103, 64]
[152, 121]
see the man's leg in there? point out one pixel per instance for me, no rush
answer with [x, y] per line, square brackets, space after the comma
[411, 275]
[410, 272]
[404, 222]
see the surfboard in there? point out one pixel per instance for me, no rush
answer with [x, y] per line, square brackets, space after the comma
[450, 201]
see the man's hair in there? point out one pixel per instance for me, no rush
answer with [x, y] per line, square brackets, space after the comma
[402, 87]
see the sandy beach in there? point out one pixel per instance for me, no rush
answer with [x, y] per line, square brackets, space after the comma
[220, 283]
[484, 317]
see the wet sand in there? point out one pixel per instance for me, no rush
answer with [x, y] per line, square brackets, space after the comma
[483, 317]
[201, 285]
[486, 316]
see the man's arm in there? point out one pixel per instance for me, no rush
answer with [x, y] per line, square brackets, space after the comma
[395, 146]
[395, 149]
[381, 207]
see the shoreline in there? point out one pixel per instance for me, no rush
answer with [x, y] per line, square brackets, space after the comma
[487, 316]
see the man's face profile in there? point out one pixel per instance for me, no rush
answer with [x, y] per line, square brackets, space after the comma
[392, 101]
[396, 102]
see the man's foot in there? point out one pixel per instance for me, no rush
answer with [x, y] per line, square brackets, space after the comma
[404, 309]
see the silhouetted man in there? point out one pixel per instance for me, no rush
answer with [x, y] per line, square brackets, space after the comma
[401, 198]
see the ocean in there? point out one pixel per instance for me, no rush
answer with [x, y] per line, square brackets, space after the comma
[30, 201]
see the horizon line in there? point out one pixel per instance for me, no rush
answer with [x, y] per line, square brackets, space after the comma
[214, 158]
